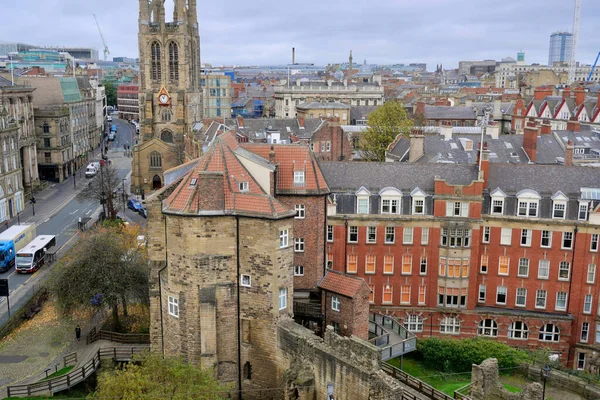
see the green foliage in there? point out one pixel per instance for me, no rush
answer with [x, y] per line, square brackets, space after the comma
[458, 355]
[385, 123]
[62, 371]
[158, 378]
[111, 93]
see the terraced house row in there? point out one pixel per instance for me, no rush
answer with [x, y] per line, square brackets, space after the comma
[503, 251]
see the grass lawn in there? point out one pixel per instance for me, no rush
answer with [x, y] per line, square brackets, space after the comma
[443, 382]
[60, 372]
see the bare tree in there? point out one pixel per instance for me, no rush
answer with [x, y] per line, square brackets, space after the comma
[104, 188]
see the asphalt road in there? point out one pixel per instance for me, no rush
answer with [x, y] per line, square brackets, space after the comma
[63, 224]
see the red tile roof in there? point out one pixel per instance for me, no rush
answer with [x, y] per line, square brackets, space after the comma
[212, 187]
[345, 285]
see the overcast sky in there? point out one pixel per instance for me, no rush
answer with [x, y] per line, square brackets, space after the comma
[241, 32]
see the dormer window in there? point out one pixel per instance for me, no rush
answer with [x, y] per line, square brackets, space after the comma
[299, 178]
[391, 201]
[529, 201]
[362, 201]
[559, 205]
[497, 207]
[243, 186]
[418, 201]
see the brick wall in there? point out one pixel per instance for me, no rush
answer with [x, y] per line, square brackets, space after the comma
[353, 315]
[340, 146]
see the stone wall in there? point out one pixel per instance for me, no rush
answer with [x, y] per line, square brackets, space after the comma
[486, 384]
[567, 382]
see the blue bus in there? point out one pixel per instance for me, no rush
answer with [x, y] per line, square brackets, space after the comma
[113, 128]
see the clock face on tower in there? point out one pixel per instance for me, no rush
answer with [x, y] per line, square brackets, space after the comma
[163, 99]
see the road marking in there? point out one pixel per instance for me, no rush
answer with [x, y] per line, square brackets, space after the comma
[74, 212]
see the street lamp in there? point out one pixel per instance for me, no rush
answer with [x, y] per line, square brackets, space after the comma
[430, 324]
[33, 204]
[545, 374]
[103, 201]
[124, 202]
[74, 175]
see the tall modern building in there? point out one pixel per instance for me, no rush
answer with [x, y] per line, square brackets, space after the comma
[561, 45]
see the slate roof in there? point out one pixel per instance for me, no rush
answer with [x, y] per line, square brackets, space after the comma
[349, 176]
[319, 105]
[345, 285]
[255, 129]
[447, 112]
[361, 112]
[5, 82]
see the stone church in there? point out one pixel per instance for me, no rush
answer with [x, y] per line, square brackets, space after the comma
[170, 95]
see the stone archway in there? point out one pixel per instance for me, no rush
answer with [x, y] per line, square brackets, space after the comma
[156, 182]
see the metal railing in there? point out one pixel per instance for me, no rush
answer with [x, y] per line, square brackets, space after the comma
[124, 338]
[416, 384]
[391, 337]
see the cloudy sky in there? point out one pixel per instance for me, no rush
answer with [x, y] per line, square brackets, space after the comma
[241, 32]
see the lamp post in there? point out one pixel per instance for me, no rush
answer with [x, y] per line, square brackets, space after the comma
[430, 324]
[545, 374]
[124, 201]
[33, 204]
[74, 175]
[103, 201]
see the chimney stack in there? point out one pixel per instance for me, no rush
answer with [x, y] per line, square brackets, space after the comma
[579, 95]
[483, 157]
[569, 154]
[573, 124]
[420, 107]
[293, 55]
[417, 145]
[272, 155]
[240, 121]
[530, 137]
[546, 127]
[540, 93]
[300, 122]
[446, 130]
[566, 92]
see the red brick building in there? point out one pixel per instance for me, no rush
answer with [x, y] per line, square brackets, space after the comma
[330, 143]
[508, 253]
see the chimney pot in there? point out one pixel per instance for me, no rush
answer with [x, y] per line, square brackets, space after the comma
[569, 154]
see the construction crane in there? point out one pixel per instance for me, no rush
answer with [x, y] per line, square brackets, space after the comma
[593, 68]
[106, 50]
[576, 15]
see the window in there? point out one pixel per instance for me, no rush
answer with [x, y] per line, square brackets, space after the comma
[594, 242]
[549, 333]
[597, 332]
[526, 237]
[389, 234]
[45, 127]
[173, 62]
[155, 160]
[370, 264]
[450, 326]
[390, 206]
[540, 299]
[585, 330]
[335, 303]
[245, 280]
[418, 206]
[528, 207]
[484, 264]
[243, 186]
[283, 238]
[486, 235]
[247, 370]
[452, 297]
[282, 298]
[299, 178]
[497, 206]
[424, 236]
[506, 236]
[583, 211]
[414, 323]
[46, 142]
[457, 209]
[387, 294]
[503, 265]
[518, 330]
[407, 237]
[330, 233]
[453, 237]
[423, 266]
[298, 270]
[353, 234]
[567, 240]
[371, 234]
[405, 294]
[388, 264]
[422, 295]
[155, 63]
[501, 295]
[544, 269]
[481, 295]
[362, 205]
[591, 273]
[372, 294]
[523, 267]
[561, 301]
[521, 298]
[546, 239]
[300, 211]
[488, 327]
[406, 265]
[564, 269]
[587, 304]
[580, 361]
[558, 210]
[351, 267]
[299, 245]
[174, 306]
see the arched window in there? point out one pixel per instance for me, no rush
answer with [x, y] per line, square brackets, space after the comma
[167, 136]
[166, 115]
[518, 330]
[173, 62]
[414, 323]
[46, 127]
[155, 65]
[450, 325]
[488, 327]
[155, 160]
[247, 370]
[549, 333]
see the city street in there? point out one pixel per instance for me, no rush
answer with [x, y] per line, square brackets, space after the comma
[63, 219]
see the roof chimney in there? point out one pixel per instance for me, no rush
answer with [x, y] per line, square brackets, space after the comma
[530, 137]
[483, 159]
[240, 121]
[573, 124]
[579, 95]
[420, 107]
[416, 146]
[546, 127]
[301, 122]
[272, 155]
[541, 92]
[569, 154]
[566, 92]
[446, 130]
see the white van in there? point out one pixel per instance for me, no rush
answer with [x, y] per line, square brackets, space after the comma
[92, 169]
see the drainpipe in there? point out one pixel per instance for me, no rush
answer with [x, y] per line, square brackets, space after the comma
[325, 237]
[239, 317]
[345, 242]
[162, 330]
[570, 282]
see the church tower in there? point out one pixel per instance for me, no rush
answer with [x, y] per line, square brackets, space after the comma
[170, 95]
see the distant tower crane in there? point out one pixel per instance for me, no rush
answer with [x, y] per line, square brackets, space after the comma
[106, 50]
[576, 15]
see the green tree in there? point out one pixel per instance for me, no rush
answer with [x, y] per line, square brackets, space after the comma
[111, 93]
[105, 268]
[158, 378]
[385, 123]
[107, 189]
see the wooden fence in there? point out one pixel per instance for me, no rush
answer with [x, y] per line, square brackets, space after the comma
[124, 338]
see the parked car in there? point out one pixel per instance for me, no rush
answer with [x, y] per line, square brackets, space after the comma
[111, 136]
[134, 205]
[92, 169]
[109, 118]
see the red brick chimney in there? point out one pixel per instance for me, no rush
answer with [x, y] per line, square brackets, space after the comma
[420, 107]
[240, 121]
[566, 92]
[579, 95]
[546, 128]
[530, 137]
[569, 154]
[573, 124]
[301, 122]
[541, 92]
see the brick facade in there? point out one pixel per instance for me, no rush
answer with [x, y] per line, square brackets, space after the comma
[330, 143]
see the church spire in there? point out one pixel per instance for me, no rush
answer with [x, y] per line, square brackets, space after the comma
[350, 62]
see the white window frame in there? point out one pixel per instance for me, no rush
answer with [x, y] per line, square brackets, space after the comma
[528, 201]
[583, 210]
[173, 306]
[564, 236]
[481, 295]
[363, 201]
[243, 186]
[330, 231]
[587, 303]
[284, 239]
[559, 209]
[371, 235]
[484, 330]
[518, 332]
[299, 245]
[298, 270]
[546, 264]
[497, 202]
[300, 211]
[335, 303]
[418, 195]
[526, 236]
[594, 242]
[554, 334]
[580, 361]
[501, 290]
[351, 230]
[389, 229]
[523, 263]
[562, 297]
[562, 267]
[408, 234]
[391, 201]
[543, 233]
[486, 236]
[450, 326]
[591, 273]
[423, 263]
[585, 332]
[538, 296]
[299, 178]
[245, 280]
[457, 208]
[414, 323]
[282, 299]
[506, 237]
[424, 236]
[521, 293]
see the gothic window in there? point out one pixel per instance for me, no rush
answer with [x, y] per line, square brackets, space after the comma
[155, 67]
[247, 370]
[46, 128]
[166, 115]
[167, 136]
[173, 62]
[155, 160]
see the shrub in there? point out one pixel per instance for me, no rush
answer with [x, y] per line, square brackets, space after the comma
[458, 355]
